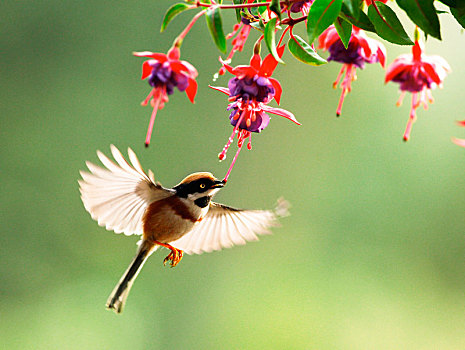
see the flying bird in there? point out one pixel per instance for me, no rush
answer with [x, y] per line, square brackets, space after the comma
[123, 198]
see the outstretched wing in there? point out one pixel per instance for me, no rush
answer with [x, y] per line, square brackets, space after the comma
[224, 227]
[118, 195]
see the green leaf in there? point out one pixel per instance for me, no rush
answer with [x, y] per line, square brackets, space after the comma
[344, 29]
[352, 7]
[423, 14]
[172, 12]
[363, 22]
[387, 24]
[276, 7]
[215, 26]
[262, 9]
[257, 11]
[238, 10]
[270, 40]
[321, 15]
[304, 52]
[457, 8]
[459, 14]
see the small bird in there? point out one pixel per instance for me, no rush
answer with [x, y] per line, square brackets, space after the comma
[123, 198]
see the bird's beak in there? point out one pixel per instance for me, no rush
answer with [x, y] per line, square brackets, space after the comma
[218, 184]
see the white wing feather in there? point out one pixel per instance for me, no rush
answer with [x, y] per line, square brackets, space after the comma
[118, 196]
[224, 227]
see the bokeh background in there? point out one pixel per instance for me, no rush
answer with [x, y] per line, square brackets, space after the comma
[372, 256]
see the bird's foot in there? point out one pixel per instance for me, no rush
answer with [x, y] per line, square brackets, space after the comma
[175, 257]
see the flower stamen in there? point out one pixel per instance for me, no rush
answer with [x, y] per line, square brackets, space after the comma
[412, 117]
[341, 72]
[156, 102]
[232, 164]
[147, 99]
[346, 85]
[222, 154]
[401, 98]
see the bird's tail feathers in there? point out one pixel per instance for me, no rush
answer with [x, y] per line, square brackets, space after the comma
[118, 296]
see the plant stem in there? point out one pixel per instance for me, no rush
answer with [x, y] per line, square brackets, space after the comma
[291, 21]
[179, 39]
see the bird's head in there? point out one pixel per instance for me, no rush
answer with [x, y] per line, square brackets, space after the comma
[198, 185]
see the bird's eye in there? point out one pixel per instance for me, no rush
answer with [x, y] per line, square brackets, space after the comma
[202, 185]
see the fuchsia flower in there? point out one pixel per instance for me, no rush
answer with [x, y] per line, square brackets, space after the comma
[164, 73]
[361, 50]
[249, 92]
[418, 74]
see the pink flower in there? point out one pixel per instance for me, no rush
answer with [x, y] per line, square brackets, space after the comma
[418, 74]
[164, 73]
[361, 50]
[249, 92]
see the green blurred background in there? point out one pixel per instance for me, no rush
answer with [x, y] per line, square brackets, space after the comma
[372, 256]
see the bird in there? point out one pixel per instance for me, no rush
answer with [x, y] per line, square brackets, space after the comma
[123, 198]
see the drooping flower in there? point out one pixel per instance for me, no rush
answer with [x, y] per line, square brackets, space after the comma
[418, 74]
[361, 50]
[460, 142]
[249, 92]
[164, 73]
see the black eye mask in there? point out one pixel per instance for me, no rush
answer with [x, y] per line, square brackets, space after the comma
[183, 190]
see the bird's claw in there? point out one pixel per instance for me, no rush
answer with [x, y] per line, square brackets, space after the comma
[175, 257]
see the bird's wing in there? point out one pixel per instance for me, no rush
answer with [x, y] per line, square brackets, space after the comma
[224, 227]
[118, 195]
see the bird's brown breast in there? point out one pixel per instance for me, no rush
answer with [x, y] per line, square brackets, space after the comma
[168, 219]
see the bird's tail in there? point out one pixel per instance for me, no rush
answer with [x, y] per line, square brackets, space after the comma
[118, 296]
